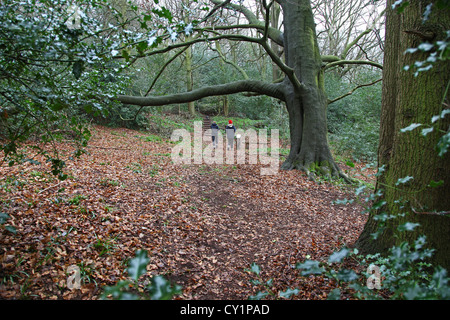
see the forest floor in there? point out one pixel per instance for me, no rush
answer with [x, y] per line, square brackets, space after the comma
[202, 225]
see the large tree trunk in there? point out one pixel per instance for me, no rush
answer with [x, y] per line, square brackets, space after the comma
[408, 99]
[306, 105]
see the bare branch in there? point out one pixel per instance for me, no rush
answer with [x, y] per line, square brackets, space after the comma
[273, 33]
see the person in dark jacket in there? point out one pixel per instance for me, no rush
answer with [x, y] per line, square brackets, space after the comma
[214, 133]
[230, 129]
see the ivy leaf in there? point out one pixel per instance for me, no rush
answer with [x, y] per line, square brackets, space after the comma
[413, 292]
[117, 292]
[163, 13]
[126, 55]
[435, 118]
[425, 46]
[443, 144]
[408, 226]
[189, 28]
[410, 127]
[400, 5]
[403, 180]
[434, 184]
[426, 131]
[3, 217]
[444, 113]
[338, 256]
[359, 190]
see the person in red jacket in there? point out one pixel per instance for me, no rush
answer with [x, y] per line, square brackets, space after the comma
[230, 129]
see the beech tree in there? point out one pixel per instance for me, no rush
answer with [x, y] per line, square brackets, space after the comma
[302, 66]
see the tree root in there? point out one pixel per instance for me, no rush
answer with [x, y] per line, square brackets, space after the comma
[328, 169]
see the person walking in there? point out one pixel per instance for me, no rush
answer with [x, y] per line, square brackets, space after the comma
[214, 134]
[230, 129]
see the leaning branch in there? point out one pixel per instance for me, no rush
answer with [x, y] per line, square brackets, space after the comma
[273, 90]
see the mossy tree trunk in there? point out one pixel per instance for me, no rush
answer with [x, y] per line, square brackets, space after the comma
[189, 78]
[307, 104]
[408, 99]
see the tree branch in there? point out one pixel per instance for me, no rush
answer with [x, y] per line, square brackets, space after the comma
[273, 33]
[342, 62]
[330, 101]
[273, 90]
[232, 63]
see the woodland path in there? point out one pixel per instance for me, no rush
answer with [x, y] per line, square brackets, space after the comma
[202, 225]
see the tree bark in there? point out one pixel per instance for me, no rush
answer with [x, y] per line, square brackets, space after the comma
[408, 99]
[188, 64]
[189, 78]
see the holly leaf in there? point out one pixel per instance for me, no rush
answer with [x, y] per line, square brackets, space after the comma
[347, 275]
[260, 295]
[160, 289]
[310, 267]
[288, 293]
[138, 265]
[254, 268]
[335, 294]
[3, 217]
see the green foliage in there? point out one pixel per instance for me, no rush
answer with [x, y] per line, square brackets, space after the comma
[404, 274]
[56, 67]
[3, 218]
[439, 51]
[256, 270]
[158, 289]
[354, 121]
